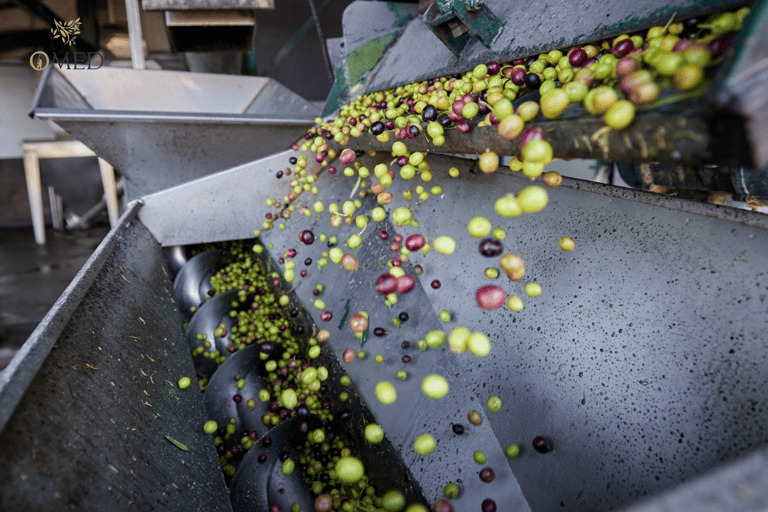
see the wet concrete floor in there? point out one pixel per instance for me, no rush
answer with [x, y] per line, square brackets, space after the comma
[32, 277]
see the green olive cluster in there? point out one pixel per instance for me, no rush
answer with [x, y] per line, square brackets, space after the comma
[292, 385]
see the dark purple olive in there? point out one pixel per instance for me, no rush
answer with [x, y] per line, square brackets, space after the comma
[463, 126]
[517, 75]
[490, 247]
[444, 120]
[406, 359]
[266, 442]
[435, 284]
[540, 444]
[458, 429]
[577, 56]
[279, 174]
[488, 505]
[413, 131]
[389, 124]
[307, 237]
[493, 67]
[262, 458]
[403, 316]
[293, 160]
[377, 128]
[379, 331]
[533, 80]
[721, 45]
[429, 113]
[623, 47]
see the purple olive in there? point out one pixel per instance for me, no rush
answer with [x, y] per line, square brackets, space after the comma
[307, 237]
[488, 505]
[577, 56]
[490, 247]
[414, 242]
[533, 80]
[517, 75]
[540, 444]
[386, 284]
[623, 47]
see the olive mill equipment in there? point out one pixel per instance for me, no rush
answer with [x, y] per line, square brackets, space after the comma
[643, 363]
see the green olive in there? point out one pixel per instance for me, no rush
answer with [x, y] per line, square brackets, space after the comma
[424, 444]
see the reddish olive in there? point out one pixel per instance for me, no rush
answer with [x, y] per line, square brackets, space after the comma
[405, 284]
[386, 284]
[415, 242]
[442, 505]
[487, 475]
[490, 297]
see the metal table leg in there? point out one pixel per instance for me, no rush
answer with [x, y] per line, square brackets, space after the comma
[110, 191]
[35, 191]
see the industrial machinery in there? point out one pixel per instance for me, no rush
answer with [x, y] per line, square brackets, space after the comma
[631, 376]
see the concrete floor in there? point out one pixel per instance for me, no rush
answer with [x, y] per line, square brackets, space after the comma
[33, 277]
